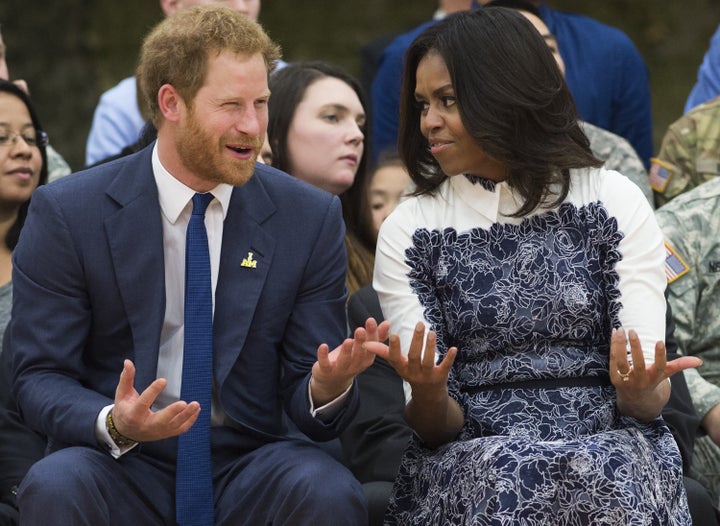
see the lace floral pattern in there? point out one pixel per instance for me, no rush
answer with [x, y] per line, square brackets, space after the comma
[533, 302]
[487, 184]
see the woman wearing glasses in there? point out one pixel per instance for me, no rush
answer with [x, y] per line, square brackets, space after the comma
[23, 167]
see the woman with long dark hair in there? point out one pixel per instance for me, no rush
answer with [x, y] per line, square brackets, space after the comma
[524, 258]
[23, 167]
[317, 131]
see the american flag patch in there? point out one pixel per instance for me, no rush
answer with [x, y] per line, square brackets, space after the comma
[674, 265]
[660, 174]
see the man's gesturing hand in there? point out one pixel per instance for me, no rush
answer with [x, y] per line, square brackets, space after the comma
[134, 418]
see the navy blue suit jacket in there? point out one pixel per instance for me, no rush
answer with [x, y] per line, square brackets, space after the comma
[89, 291]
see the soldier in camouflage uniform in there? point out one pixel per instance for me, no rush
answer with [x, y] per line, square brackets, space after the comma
[618, 155]
[689, 154]
[691, 224]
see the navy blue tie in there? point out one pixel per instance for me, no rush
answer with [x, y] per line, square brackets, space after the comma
[193, 485]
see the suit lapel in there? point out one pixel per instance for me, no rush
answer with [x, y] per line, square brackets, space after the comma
[134, 234]
[247, 253]
[135, 238]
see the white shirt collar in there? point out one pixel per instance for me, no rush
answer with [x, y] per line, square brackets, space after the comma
[174, 195]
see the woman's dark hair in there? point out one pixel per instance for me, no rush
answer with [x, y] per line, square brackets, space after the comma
[288, 87]
[512, 99]
[13, 234]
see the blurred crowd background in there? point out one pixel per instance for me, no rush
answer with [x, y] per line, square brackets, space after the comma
[70, 51]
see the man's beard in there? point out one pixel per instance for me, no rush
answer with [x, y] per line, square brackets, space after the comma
[206, 157]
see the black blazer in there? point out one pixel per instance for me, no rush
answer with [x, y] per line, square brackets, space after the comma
[679, 413]
[20, 446]
[376, 438]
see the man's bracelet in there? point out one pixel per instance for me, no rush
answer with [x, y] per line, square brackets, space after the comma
[120, 440]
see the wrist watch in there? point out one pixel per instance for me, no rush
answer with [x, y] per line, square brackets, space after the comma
[120, 440]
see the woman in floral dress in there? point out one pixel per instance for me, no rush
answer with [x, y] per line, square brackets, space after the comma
[524, 258]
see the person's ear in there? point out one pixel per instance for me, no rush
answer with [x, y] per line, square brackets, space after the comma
[170, 103]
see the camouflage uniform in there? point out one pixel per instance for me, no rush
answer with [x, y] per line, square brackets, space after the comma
[618, 155]
[689, 154]
[57, 167]
[691, 224]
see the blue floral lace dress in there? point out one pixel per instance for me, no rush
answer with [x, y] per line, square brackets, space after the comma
[530, 304]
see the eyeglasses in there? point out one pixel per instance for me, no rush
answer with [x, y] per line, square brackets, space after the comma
[31, 138]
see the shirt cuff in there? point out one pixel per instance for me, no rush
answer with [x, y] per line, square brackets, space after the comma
[329, 410]
[103, 436]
